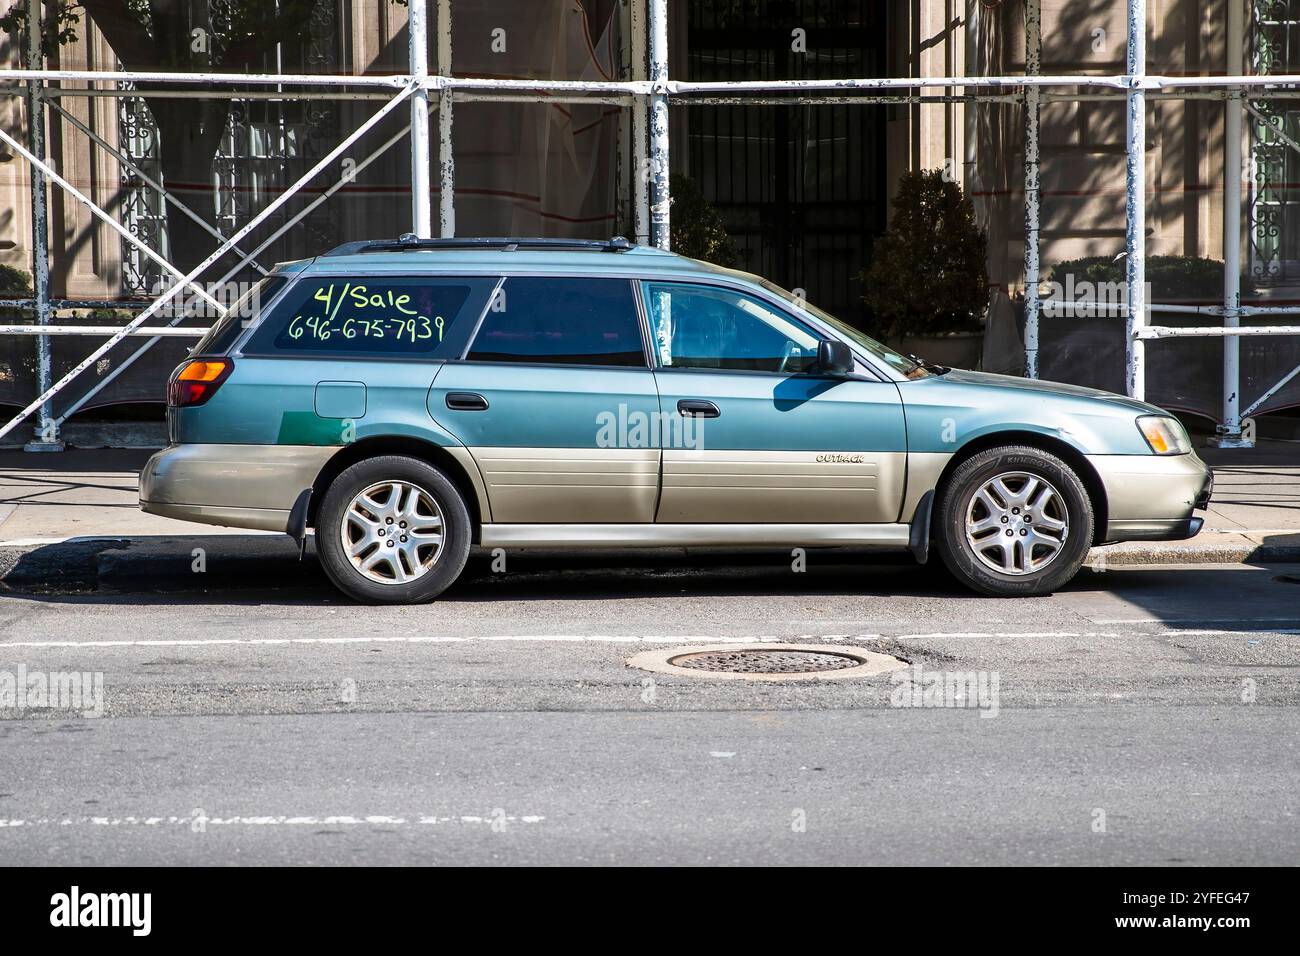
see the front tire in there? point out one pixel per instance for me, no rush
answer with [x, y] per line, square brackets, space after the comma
[1014, 521]
[393, 530]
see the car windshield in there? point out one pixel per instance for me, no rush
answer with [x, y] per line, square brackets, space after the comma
[895, 360]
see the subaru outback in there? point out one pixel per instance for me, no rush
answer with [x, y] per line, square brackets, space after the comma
[405, 401]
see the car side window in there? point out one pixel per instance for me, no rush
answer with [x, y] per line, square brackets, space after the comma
[711, 327]
[561, 321]
[423, 317]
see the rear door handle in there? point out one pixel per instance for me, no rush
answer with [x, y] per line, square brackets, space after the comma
[697, 408]
[467, 401]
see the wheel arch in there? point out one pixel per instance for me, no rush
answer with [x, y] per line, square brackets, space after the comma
[469, 485]
[1063, 450]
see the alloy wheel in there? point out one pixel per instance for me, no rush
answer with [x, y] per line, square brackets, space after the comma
[1017, 523]
[392, 532]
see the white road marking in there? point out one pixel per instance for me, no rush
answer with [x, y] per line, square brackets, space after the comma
[262, 821]
[1249, 531]
[909, 637]
[1167, 631]
[1294, 619]
[1162, 630]
[1203, 631]
[37, 542]
[559, 638]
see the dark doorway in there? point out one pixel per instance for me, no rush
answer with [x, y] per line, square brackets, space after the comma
[801, 188]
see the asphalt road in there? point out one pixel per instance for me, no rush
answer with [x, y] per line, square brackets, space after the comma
[1144, 715]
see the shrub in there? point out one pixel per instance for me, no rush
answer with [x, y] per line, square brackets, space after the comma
[1187, 277]
[14, 283]
[697, 229]
[928, 273]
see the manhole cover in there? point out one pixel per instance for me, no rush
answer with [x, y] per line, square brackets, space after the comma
[765, 662]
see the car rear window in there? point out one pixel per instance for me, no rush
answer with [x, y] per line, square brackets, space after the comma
[561, 321]
[225, 330]
[413, 316]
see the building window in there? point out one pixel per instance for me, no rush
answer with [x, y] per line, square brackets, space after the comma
[1274, 213]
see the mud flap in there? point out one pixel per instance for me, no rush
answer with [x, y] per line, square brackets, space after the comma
[297, 527]
[918, 540]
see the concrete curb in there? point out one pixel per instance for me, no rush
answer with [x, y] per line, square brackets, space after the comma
[1157, 553]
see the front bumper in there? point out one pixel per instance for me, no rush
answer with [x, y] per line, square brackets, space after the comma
[1152, 497]
[238, 486]
[1177, 529]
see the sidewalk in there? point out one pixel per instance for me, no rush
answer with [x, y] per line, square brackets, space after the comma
[1254, 514]
[49, 498]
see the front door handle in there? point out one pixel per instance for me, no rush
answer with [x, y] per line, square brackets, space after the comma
[697, 408]
[467, 401]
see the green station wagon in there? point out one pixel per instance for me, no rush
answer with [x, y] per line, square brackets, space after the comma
[407, 400]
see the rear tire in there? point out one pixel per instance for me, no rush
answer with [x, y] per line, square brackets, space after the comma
[1014, 521]
[393, 530]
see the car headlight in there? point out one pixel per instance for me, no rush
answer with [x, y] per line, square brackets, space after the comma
[1164, 434]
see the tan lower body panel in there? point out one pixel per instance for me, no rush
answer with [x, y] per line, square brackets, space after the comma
[889, 536]
[552, 485]
[781, 486]
[923, 471]
[468, 465]
[239, 486]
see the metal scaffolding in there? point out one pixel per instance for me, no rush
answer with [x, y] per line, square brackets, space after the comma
[648, 95]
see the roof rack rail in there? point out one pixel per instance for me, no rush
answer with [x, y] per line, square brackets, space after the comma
[409, 242]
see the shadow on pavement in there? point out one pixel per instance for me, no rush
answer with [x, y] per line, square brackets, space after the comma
[264, 570]
[142, 568]
[261, 569]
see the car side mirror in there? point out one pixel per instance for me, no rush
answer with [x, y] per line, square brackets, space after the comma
[834, 357]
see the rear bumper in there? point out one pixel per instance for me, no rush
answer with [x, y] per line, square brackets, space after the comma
[238, 486]
[1152, 497]
[1177, 529]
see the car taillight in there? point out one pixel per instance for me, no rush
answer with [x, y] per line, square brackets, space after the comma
[197, 380]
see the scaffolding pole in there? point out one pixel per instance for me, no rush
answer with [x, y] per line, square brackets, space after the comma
[46, 437]
[246, 258]
[1229, 434]
[49, 173]
[640, 127]
[145, 178]
[1033, 65]
[446, 154]
[648, 95]
[1257, 87]
[418, 42]
[660, 200]
[1135, 195]
[202, 267]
